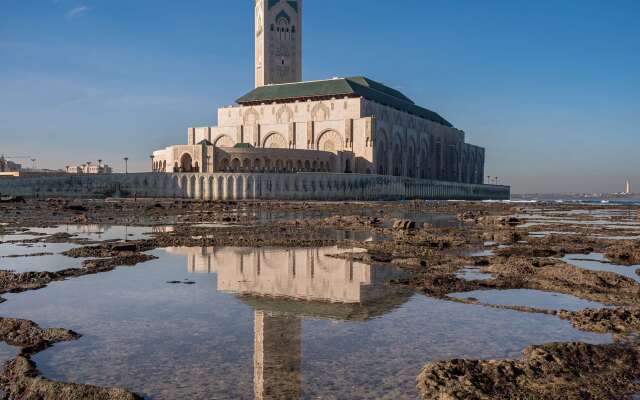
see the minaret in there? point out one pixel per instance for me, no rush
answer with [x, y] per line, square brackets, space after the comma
[277, 356]
[627, 188]
[278, 41]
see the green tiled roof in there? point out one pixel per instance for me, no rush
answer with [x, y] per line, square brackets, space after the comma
[354, 86]
[243, 146]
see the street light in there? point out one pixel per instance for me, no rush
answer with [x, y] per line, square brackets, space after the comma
[126, 165]
[153, 167]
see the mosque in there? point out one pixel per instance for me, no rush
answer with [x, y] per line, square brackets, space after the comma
[339, 125]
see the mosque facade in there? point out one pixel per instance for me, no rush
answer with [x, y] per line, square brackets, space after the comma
[352, 125]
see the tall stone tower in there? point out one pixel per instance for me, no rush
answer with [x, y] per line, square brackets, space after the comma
[278, 41]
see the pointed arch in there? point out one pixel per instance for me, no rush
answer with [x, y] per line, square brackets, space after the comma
[274, 140]
[224, 141]
[330, 140]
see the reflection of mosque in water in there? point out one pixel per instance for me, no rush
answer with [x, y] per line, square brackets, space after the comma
[286, 285]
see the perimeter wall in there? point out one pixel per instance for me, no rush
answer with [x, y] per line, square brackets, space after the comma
[250, 186]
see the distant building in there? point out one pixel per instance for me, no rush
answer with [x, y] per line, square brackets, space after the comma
[9, 166]
[89, 168]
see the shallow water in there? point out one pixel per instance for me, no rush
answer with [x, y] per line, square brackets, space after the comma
[597, 262]
[529, 298]
[103, 232]
[329, 328]
[50, 262]
[473, 274]
[7, 352]
[478, 253]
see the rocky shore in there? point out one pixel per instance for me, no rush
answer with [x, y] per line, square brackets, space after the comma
[517, 246]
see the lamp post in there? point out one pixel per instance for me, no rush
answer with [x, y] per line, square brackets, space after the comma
[489, 179]
[126, 165]
[153, 167]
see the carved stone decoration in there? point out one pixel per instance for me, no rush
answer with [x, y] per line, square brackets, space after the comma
[330, 141]
[259, 18]
[275, 140]
[251, 117]
[320, 112]
[284, 115]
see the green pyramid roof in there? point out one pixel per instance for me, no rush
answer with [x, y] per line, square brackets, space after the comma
[358, 86]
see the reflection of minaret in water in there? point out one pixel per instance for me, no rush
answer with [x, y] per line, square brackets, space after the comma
[277, 356]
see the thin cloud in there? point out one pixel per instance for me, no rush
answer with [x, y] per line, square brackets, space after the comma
[77, 12]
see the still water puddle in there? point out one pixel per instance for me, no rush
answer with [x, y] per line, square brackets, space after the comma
[265, 323]
[597, 262]
[37, 257]
[104, 232]
[529, 298]
[473, 274]
[7, 352]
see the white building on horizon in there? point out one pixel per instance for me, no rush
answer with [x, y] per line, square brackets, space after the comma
[89, 168]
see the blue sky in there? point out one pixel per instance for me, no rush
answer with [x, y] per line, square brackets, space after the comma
[550, 88]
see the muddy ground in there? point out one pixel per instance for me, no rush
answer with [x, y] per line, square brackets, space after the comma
[519, 245]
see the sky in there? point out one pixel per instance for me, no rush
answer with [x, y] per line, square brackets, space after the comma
[551, 88]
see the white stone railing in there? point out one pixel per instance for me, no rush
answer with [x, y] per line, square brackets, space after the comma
[249, 186]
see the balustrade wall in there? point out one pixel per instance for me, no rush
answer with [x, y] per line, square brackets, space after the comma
[249, 186]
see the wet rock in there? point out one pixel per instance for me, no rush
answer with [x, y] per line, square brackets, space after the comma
[547, 372]
[556, 276]
[499, 220]
[122, 259]
[409, 262]
[23, 333]
[440, 284]
[616, 320]
[29, 255]
[507, 236]
[21, 381]
[123, 247]
[470, 216]
[404, 225]
[12, 199]
[18, 282]
[550, 246]
[351, 221]
[624, 253]
[76, 207]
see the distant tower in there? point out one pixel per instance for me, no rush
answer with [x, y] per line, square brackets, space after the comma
[627, 189]
[278, 41]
